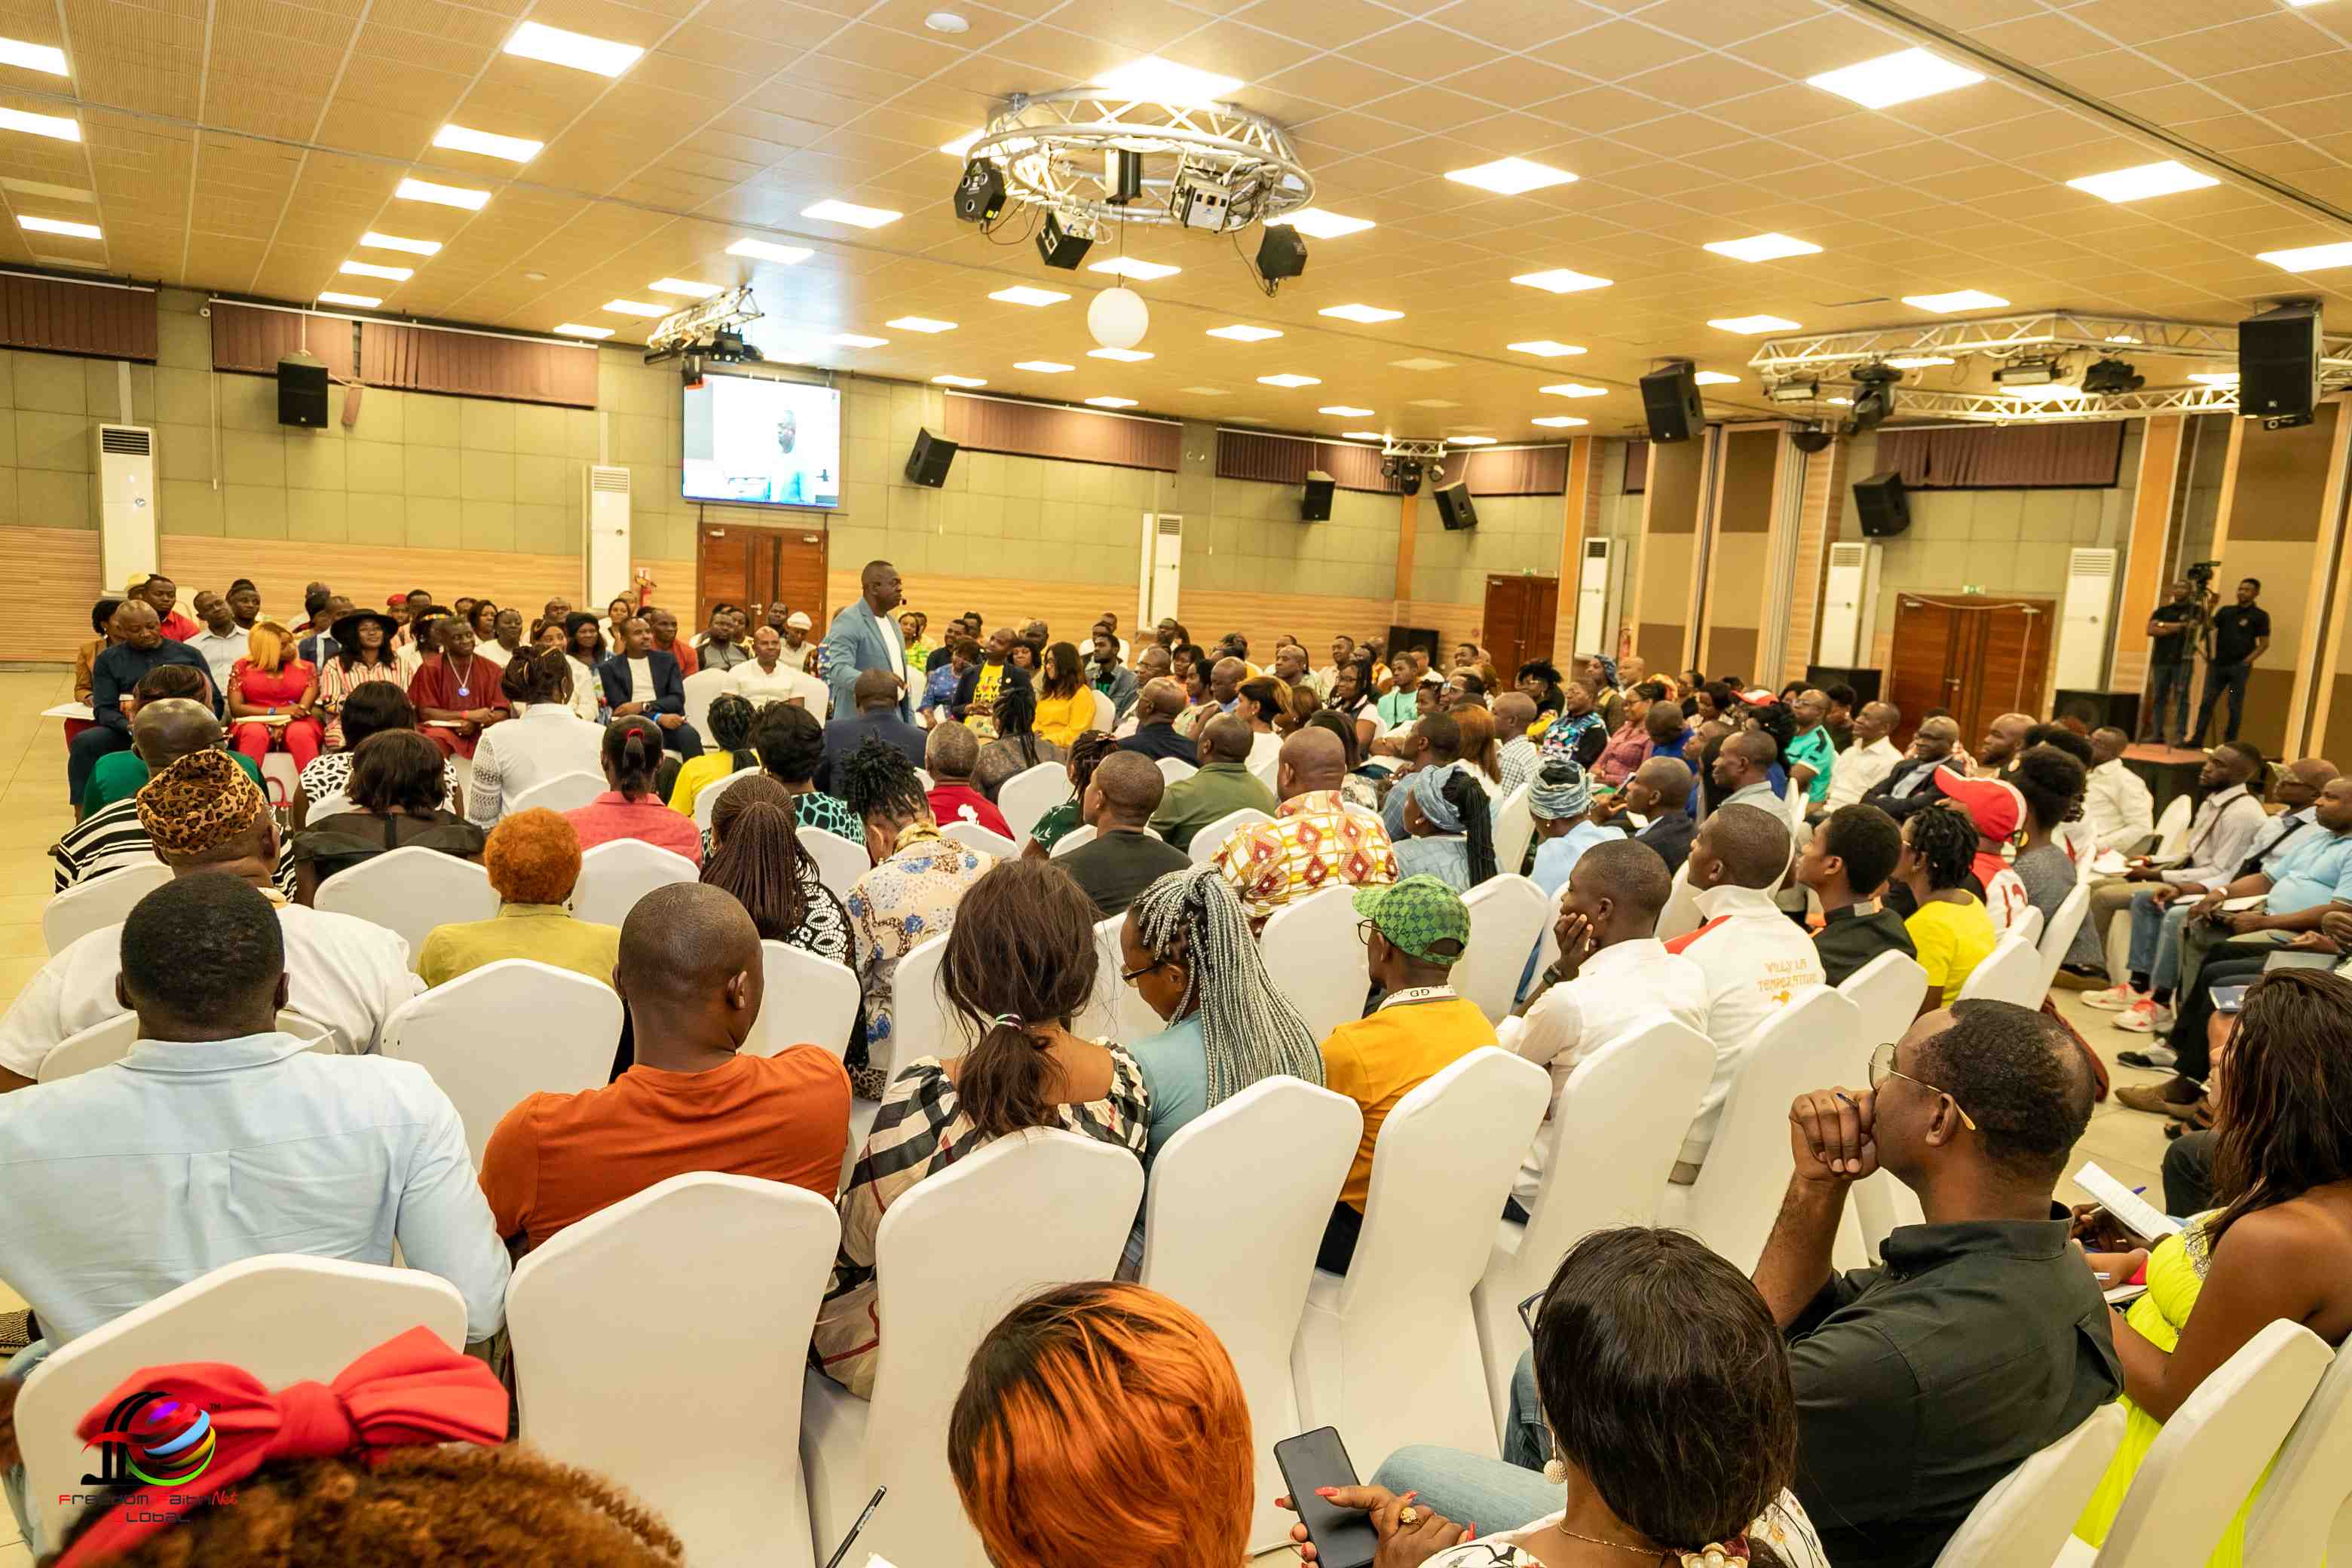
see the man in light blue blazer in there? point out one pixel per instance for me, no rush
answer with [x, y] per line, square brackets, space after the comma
[863, 636]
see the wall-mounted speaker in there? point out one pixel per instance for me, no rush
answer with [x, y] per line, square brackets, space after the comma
[1453, 507]
[1822, 676]
[2097, 709]
[1315, 506]
[303, 392]
[1670, 400]
[1882, 504]
[928, 463]
[2278, 365]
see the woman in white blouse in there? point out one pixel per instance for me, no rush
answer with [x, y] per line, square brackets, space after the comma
[587, 648]
[548, 739]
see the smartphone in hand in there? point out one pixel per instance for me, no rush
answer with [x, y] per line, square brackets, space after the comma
[1342, 1537]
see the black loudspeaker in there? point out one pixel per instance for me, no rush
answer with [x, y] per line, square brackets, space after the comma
[303, 393]
[2278, 365]
[1885, 508]
[2099, 710]
[928, 463]
[1315, 506]
[1822, 676]
[1282, 253]
[1453, 507]
[979, 194]
[1420, 640]
[1670, 399]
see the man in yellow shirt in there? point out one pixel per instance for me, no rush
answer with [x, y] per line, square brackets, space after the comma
[1414, 932]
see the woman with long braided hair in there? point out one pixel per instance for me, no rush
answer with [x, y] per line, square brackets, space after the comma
[756, 855]
[1018, 746]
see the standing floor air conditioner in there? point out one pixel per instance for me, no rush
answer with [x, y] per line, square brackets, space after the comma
[1850, 606]
[1163, 571]
[608, 534]
[1596, 595]
[129, 520]
[2085, 623]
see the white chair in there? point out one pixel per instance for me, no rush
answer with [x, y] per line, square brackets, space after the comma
[807, 1000]
[564, 791]
[1612, 1137]
[1212, 838]
[2027, 925]
[2207, 1459]
[1176, 770]
[1681, 916]
[1076, 837]
[1886, 993]
[1030, 794]
[333, 802]
[2301, 1516]
[1266, 769]
[1515, 830]
[98, 904]
[285, 1318]
[410, 890]
[923, 777]
[112, 1040]
[1116, 1010]
[954, 1254]
[1810, 1044]
[702, 688]
[2059, 935]
[2026, 1517]
[2009, 974]
[574, 1024]
[1236, 1205]
[1105, 712]
[616, 874]
[1389, 1351]
[2172, 828]
[705, 799]
[839, 861]
[1311, 953]
[700, 1430]
[921, 1024]
[973, 836]
[280, 780]
[1508, 916]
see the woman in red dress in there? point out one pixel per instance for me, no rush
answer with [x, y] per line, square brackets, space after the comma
[271, 682]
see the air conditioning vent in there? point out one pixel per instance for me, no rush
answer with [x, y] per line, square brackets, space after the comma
[1170, 524]
[610, 481]
[126, 440]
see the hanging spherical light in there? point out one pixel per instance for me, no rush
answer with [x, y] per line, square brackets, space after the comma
[1117, 318]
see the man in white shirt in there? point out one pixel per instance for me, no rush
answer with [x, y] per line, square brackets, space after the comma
[219, 1138]
[2221, 836]
[204, 816]
[1756, 958]
[769, 677]
[1861, 766]
[1742, 774]
[2117, 805]
[1614, 977]
[222, 642]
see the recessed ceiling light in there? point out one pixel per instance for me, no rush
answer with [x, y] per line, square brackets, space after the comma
[1545, 348]
[850, 213]
[2217, 378]
[2146, 180]
[1291, 379]
[1111, 402]
[1895, 79]
[1021, 294]
[1368, 314]
[958, 381]
[636, 308]
[1839, 402]
[1434, 402]
[1923, 361]
[536, 41]
[789, 255]
[1322, 223]
[1124, 356]
[442, 195]
[2309, 258]
[370, 269]
[858, 340]
[945, 22]
[1043, 367]
[574, 329]
[460, 139]
[332, 297]
[62, 226]
[1560, 421]
[1958, 299]
[536, 277]
[961, 146]
[919, 324]
[32, 57]
[374, 241]
[1363, 436]
[1752, 325]
[1574, 389]
[1763, 248]
[686, 286]
[1510, 176]
[1127, 267]
[1714, 378]
[1165, 81]
[1469, 440]
[54, 125]
[1203, 390]
[1422, 362]
[1241, 334]
[1343, 411]
[1561, 280]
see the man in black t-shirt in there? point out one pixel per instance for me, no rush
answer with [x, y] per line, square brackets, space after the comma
[2240, 632]
[2171, 645]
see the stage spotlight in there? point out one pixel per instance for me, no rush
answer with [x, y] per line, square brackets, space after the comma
[980, 193]
[2112, 375]
[1873, 398]
[1794, 392]
[2030, 373]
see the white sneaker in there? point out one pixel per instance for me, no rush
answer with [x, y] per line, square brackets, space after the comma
[2114, 998]
[2145, 1017]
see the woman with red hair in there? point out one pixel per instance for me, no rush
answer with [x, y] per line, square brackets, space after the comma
[1103, 1423]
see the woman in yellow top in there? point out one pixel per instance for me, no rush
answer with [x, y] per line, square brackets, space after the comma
[1065, 703]
[533, 860]
[730, 723]
[1950, 929]
[2280, 1246]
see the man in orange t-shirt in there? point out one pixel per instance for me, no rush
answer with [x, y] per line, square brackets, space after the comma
[690, 976]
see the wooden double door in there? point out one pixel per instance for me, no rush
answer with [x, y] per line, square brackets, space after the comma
[1975, 661]
[756, 567]
[1518, 621]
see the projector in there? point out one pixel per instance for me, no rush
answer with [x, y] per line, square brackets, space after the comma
[728, 347]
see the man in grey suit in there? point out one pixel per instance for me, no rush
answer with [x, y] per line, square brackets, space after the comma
[864, 635]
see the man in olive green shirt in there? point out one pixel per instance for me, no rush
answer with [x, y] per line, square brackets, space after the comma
[1223, 786]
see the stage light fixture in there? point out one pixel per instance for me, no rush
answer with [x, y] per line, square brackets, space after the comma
[980, 193]
[1062, 248]
[2110, 376]
[1794, 392]
[2029, 373]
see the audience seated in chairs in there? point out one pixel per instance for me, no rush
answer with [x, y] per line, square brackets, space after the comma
[582, 640]
[1017, 746]
[1020, 964]
[1356, 787]
[640, 681]
[1123, 858]
[138, 646]
[1223, 785]
[1448, 825]
[690, 973]
[791, 745]
[119, 775]
[1561, 802]
[2050, 781]
[1065, 703]
[102, 618]
[875, 693]
[1660, 789]
[949, 753]
[632, 808]
[2228, 824]
[731, 719]
[1847, 863]
[397, 792]
[271, 682]
[756, 857]
[545, 739]
[1315, 840]
[457, 692]
[377, 706]
[1950, 933]
[1157, 707]
[363, 656]
[533, 861]
[1995, 808]
[1086, 756]
[111, 838]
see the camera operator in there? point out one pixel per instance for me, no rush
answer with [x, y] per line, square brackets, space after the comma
[2173, 632]
[2240, 633]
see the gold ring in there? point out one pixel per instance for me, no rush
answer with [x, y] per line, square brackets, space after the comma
[1408, 1515]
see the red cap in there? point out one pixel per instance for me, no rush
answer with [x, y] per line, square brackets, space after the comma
[395, 601]
[1995, 808]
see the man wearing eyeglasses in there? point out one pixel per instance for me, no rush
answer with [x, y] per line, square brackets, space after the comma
[1984, 1338]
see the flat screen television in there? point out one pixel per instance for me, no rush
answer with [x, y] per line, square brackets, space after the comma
[762, 443]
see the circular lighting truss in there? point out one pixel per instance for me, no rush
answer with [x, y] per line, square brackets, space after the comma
[1057, 150]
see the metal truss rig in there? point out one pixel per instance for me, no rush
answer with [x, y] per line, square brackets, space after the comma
[1054, 147]
[1427, 451]
[2008, 337]
[1998, 409]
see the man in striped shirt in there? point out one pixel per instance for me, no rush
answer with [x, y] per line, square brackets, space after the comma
[111, 838]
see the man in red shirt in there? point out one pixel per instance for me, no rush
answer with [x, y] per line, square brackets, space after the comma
[948, 756]
[690, 975]
[161, 595]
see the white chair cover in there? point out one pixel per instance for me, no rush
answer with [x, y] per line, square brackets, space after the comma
[1311, 953]
[1515, 830]
[98, 904]
[564, 791]
[1105, 712]
[1117, 1011]
[112, 1040]
[1081, 835]
[2011, 974]
[717, 1420]
[1030, 794]
[2172, 828]
[574, 1022]
[616, 874]
[2026, 1519]
[701, 688]
[1886, 993]
[410, 890]
[1175, 770]
[2300, 1515]
[839, 861]
[2059, 935]
[808, 1000]
[705, 799]
[921, 1023]
[1508, 916]
[1212, 838]
[973, 836]
[2027, 925]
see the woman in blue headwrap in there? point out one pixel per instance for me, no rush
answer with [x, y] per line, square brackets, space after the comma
[1451, 836]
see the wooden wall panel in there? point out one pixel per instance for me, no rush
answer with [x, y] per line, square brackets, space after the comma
[57, 572]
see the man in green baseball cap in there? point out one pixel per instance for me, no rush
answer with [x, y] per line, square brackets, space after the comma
[1414, 932]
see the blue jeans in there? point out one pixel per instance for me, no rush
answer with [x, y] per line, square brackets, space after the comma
[1508, 1493]
[2168, 681]
[2221, 677]
[12, 1479]
[2156, 937]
